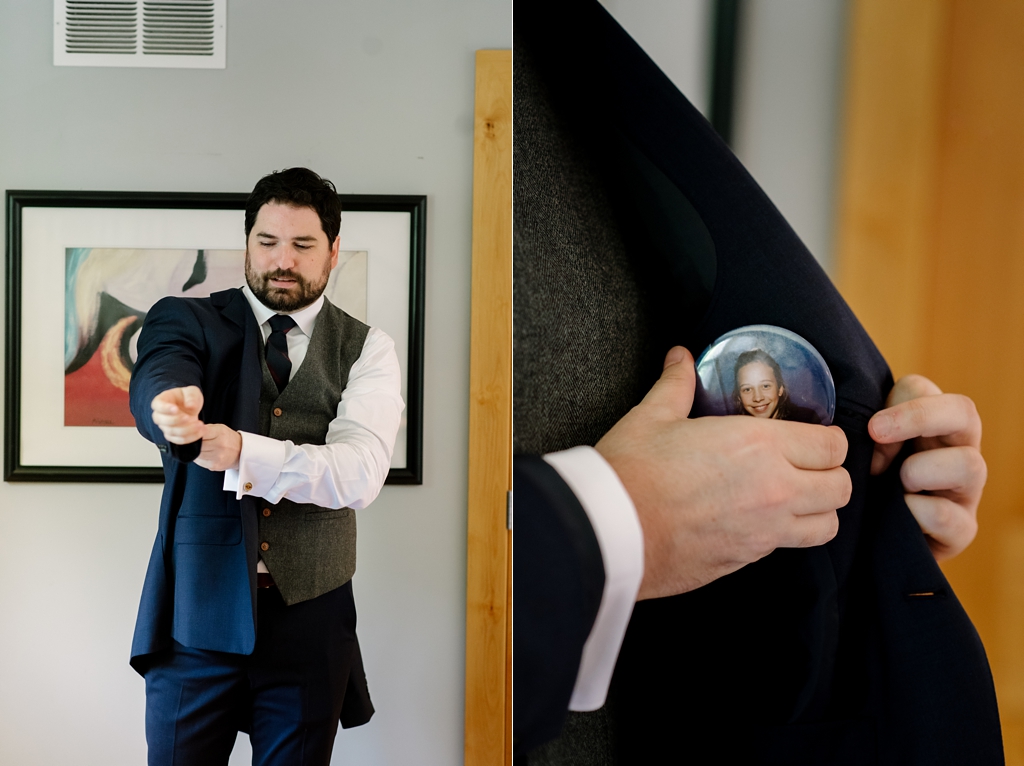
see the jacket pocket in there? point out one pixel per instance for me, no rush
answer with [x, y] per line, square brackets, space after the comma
[327, 514]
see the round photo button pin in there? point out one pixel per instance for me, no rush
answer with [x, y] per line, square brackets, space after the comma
[765, 372]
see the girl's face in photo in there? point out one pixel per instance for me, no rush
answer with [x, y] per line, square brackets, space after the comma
[759, 391]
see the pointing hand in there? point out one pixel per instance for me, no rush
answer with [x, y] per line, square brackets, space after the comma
[176, 412]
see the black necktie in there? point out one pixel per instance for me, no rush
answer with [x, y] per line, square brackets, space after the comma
[278, 363]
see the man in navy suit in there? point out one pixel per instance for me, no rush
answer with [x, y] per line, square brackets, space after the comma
[276, 414]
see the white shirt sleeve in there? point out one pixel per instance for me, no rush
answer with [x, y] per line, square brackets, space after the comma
[620, 537]
[350, 469]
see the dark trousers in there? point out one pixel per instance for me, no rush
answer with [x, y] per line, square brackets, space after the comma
[288, 694]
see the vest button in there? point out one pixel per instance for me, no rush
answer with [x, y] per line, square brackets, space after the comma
[278, 412]
[266, 511]
[264, 546]
[247, 487]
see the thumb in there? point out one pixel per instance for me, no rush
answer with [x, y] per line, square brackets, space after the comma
[192, 399]
[674, 389]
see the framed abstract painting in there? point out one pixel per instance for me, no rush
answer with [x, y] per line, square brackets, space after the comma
[84, 268]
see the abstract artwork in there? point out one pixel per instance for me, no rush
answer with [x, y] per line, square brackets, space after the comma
[84, 269]
[107, 293]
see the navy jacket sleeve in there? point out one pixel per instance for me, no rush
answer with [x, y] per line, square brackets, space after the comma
[559, 579]
[172, 349]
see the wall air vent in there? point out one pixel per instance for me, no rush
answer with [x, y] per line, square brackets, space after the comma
[140, 33]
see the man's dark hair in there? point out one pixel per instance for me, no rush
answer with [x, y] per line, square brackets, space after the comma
[300, 187]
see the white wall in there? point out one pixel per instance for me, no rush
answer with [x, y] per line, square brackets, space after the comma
[676, 34]
[376, 95]
[788, 99]
[788, 92]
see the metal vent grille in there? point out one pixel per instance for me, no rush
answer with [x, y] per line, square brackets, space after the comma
[140, 33]
[177, 27]
[101, 26]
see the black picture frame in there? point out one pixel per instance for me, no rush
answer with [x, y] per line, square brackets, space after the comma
[17, 201]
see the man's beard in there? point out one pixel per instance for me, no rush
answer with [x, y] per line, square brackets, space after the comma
[278, 299]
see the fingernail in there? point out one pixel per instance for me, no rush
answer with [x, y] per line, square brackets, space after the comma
[675, 355]
[882, 425]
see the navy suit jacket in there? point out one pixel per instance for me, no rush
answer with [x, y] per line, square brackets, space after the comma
[559, 581]
[200, 588]
[854, 652]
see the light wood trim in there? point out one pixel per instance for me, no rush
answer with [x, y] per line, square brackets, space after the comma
[887, 182]
[976, 326]
[488, 566]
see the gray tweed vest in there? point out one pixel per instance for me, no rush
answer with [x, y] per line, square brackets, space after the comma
[310, 550]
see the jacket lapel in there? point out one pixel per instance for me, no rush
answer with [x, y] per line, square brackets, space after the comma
[234, 307]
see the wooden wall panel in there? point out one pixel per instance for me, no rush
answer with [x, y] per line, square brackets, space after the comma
[488, 567]
[977, 322]
[931, 248]
[886, 197]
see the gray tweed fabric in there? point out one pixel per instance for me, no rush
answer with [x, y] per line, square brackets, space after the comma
[587, 740]
[580, 326]
[580, 322]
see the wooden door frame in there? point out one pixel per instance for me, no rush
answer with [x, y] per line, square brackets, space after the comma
[488, 719]
[895, 68]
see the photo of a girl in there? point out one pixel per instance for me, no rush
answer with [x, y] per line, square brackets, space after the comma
[761, 392]
[767, 372]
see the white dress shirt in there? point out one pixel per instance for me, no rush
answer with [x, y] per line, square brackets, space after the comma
[620, 537]
[350, 468]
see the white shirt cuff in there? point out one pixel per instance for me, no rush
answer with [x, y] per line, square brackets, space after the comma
[259, 465]
[620, 537]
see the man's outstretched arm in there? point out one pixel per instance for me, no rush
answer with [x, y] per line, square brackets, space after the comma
[167, 376]
[348, 470]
